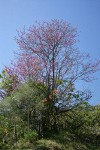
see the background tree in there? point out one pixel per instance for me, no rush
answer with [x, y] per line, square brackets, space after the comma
[9, 82]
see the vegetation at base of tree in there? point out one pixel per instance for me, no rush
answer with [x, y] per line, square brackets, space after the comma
[21, 123]
[40, 106]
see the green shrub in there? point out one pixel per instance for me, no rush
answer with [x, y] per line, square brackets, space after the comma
[31, 136]
[27, 141]
[44, 144]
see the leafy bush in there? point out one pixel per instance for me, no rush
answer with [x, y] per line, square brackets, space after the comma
[44, 144]
[28, 140]
[31, 136]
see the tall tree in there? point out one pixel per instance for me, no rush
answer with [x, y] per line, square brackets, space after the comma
[49, 56]
[54, 45]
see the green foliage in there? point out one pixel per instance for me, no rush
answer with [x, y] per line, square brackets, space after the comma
[31, 136]
[29, 120]
[8, 83]
[45, 144]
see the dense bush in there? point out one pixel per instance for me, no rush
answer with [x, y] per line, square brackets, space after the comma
[45, 144]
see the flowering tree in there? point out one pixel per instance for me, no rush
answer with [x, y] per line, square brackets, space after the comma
[53, 44]
[49, 57]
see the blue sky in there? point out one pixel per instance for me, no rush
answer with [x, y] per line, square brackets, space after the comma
[83, 14]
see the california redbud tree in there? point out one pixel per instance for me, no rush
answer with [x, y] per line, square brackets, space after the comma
[50, 63]
[48, 54]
